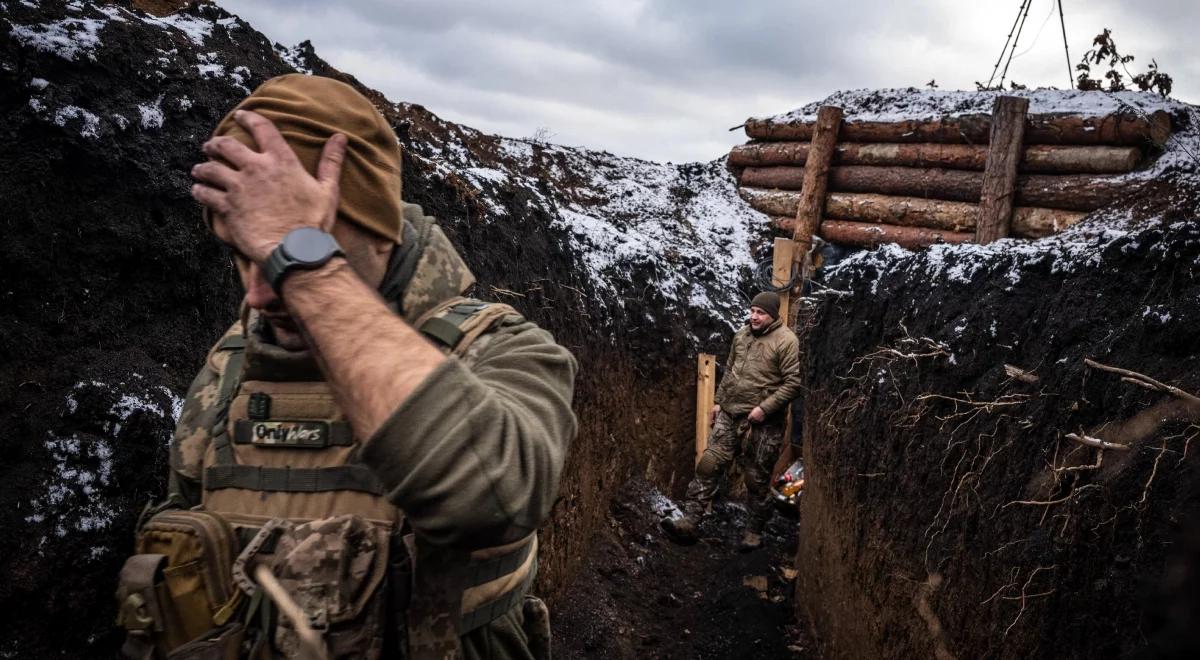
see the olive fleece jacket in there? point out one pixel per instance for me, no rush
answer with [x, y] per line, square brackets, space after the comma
[474, 456]
[761, 371]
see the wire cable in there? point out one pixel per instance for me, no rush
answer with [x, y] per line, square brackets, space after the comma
[1066, 49]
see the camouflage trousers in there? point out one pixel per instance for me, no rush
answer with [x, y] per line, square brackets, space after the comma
[756, 447]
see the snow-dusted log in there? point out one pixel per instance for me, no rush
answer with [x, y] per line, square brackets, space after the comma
[1071, 192]
[865, 234]
[1114, 129]
[1039, 158]
[1027, 222]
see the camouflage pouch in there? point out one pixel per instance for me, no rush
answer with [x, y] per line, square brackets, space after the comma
[335, 570]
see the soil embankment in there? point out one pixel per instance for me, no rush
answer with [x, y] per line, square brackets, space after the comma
[946, 513]
[112, 291]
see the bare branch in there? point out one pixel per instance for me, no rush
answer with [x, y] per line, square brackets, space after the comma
[1095, 442]
[1144, 381]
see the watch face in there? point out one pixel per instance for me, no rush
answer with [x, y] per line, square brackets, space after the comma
[308, 245]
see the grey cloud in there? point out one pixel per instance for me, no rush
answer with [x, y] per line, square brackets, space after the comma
[663, 78]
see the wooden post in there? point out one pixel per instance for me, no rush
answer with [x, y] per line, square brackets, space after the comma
[812, 196]
[1000, 171]
[706, 384]
[781, 269]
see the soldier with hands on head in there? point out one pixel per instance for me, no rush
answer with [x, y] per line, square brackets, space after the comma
[385, 446]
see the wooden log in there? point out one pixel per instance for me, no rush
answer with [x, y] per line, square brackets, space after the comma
[861, 234]
[1071, 192]
[1116, 129]
[706, 384]
[1000, 172]
[1039, 158]
[1027, 222]
[1033, 222]
[810, 205]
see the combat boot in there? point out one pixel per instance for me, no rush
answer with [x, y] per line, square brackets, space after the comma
[752, 540]
[684, 530]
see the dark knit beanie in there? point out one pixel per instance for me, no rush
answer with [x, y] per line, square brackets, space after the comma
[767, 301]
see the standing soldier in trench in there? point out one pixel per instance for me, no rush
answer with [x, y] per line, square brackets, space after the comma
[762, 376]
[385, 447]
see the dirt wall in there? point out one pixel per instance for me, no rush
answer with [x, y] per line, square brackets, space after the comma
[946, 515]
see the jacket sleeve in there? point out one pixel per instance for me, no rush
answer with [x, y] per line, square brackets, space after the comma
[473, 457]
[788, 362]
[723, 387]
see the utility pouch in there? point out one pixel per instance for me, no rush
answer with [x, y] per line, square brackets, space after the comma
[178, 586]
[223, 643]
[336, 570]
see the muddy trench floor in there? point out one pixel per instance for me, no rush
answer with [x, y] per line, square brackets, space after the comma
[639, 595]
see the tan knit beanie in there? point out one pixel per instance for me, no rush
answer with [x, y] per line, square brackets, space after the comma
[307, 110]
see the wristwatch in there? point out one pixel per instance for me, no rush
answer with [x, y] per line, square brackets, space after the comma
[306, 248]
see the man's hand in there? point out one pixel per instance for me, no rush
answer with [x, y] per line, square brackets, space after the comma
[757, 415]
[266, 193]
[712, 415]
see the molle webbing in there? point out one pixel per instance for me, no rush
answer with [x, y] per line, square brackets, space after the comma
[230, 376]
[293, 480]
[480, 572]
[446, 329]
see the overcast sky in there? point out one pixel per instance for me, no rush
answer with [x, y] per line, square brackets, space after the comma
[665, 79]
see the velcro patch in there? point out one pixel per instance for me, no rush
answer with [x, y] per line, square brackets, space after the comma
[291, 434]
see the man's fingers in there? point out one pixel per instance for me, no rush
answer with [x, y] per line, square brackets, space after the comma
[329, 168]
[214, 174]
[230, 150]
[268, 138]
[211, 197]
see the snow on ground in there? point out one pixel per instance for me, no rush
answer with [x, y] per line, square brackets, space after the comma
[77, 494]
[635, 224]
[80, 36]
[923, 104]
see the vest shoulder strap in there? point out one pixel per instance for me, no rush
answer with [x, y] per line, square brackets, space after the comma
[458, 322]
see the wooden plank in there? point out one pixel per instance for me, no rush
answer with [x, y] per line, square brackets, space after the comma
[1000, 172]
[706, 391]
[812, 197]
[781, 269]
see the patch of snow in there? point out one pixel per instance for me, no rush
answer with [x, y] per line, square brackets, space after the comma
[70, 501]
[211, 70]
[198, 30]
[91, 123]
[39, 83]
[1158, 314]
[68, 38]
[151, 114]
[663, 507]
[240, 75]
[294, 57]
[487, 174]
